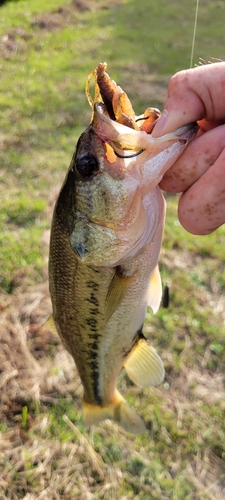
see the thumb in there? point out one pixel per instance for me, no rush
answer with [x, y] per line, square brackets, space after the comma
[193, 94]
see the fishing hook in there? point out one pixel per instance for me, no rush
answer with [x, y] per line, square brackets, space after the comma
[140, 119]
[129, 156]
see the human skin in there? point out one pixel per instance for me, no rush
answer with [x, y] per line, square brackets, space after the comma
[199, 174]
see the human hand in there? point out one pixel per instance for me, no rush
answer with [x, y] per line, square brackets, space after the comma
[198, 95]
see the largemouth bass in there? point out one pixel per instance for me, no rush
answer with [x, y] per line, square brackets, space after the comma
[105, 241]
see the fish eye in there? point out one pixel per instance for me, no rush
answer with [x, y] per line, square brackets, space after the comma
[86, 165]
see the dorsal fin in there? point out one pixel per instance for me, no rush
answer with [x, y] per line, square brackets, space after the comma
[155, 290]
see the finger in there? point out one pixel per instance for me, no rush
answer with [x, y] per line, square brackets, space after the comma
[201, 208]
[192, 95]
[199, 156]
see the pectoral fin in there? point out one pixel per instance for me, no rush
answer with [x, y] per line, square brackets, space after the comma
[144, 366]
[116, 292]
[155, 290]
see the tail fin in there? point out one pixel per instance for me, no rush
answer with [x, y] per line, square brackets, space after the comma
[119, 411]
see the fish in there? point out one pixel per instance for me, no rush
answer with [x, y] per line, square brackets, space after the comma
[106, 236]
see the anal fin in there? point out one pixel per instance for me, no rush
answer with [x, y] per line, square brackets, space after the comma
[143, 365]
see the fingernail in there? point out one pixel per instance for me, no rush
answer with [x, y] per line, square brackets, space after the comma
[160, 124]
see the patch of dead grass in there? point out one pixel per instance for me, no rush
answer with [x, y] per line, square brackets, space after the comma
[35, 369]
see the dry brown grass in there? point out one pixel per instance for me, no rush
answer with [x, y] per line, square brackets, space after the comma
[36, 372]
[32, 464]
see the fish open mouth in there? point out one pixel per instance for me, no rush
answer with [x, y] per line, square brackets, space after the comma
[116, 106]
[114, 120]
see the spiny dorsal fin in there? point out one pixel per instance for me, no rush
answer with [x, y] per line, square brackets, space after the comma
[116, 292]
[144, 366]
[155, 290]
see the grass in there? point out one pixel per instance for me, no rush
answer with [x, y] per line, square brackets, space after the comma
[47, 50]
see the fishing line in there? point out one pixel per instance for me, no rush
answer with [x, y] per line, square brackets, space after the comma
[194, 33]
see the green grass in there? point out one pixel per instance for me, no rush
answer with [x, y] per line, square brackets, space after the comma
[45, 109]
[47, 50]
